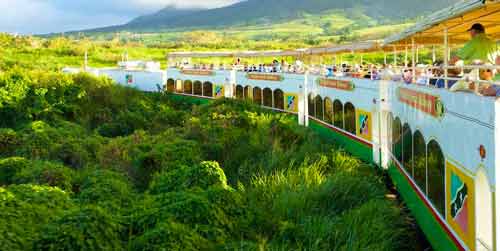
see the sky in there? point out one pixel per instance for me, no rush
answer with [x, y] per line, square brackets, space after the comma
[48, 16]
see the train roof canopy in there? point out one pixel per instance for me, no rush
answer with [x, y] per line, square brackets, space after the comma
[457, 19]
[338, 49]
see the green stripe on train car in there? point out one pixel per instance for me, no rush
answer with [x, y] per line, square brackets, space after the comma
[436, 235]
[354, 147]
[191, 99]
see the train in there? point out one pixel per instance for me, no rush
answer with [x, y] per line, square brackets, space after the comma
[439, 147]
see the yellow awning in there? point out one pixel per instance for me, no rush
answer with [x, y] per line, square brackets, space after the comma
[456, 19]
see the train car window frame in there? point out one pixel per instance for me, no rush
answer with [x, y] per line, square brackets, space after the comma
[267, 97]
[328, 110]
[338, 114]
[279, 99]
[197, 88]
[350, 118]
[257, 95]
[187, 90]
[208, 89]
[436, 175]
[318, 104]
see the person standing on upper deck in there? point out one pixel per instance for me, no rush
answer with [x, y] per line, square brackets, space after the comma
[479, 48]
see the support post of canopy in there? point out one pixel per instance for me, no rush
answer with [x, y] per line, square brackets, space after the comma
[417, 56]
[413, 60]
[406, 55]
[433, 53]
[305, 107]
[395, 56]
[445, 55]
[385, 58]
[341, 64]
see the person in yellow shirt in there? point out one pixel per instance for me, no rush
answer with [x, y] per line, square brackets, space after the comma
[479, 50]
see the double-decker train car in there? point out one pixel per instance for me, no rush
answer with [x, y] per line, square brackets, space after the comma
[440, 147]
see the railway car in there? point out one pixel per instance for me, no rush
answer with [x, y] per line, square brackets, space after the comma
[440, 147]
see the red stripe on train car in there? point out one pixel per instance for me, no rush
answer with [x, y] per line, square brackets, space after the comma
[429, 206]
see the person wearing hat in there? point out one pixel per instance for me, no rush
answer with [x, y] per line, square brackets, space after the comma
[479, 48]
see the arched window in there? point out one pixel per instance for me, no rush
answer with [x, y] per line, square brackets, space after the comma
[247, 92]
[208, 90]
[397, 140]
[338, 114]
[178, 86]
[328, 111]
[311, 106]
[318, 102]
[197, 88]
[279, 99]
[188, 87]
[419, 161]
[389, 121]
[436, 175]
[350, 118]
[239, 92]
[257, 95]
[268, 97]
[170, 85]
[407, 149]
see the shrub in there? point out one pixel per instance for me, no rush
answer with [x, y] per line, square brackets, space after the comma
[204, 175]
[24, 209]
[9, 167]
[191, 208]
[87, 228]
[9, 141]
[171, 236]
[71, 153]
[45, 173]
[106, 188]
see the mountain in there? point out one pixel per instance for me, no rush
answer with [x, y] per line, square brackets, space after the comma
[259, 11]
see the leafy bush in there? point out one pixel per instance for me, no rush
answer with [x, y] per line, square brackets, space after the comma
[9, 167]
[9, 141]
[191, 208]
[171, 236]
[87, 228]
[24, 209]
[203, 176]
[108, 189]
[45, 173]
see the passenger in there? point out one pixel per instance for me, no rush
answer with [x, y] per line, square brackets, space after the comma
[491, 90]
[480, 47]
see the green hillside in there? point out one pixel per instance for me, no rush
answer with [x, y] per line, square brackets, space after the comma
[253, 12]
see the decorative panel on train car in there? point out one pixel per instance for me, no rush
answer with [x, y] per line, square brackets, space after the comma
[219, 91]
[129, 79]
[197, 72]
[291, 102]
[421, 101]
[265, 77]
[460, 203]
[345, 85]
[364, 124]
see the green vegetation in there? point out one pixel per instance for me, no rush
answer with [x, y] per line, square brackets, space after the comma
[89, 165]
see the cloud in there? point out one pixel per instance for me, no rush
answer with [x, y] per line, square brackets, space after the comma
[44, 16]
